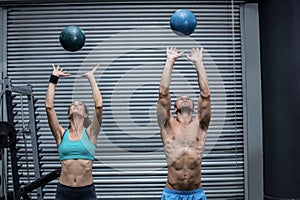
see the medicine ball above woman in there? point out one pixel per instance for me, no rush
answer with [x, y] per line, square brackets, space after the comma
[77, 144]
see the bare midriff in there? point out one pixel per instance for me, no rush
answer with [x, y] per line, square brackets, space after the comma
[185, 173]
[76, 173]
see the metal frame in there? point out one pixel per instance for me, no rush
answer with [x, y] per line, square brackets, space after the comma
[3, 71]
[252, 102]
[26, 90]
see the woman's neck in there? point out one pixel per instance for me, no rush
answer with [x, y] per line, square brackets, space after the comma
[76, 124]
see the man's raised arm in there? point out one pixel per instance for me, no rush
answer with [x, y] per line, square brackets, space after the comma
[204, 107]
[164, 99]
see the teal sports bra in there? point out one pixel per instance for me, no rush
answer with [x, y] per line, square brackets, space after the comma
[80, 149]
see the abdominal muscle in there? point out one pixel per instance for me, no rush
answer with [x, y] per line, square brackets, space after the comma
[185, 173]
[76, 173]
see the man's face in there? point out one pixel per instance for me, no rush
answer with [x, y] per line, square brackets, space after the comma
[184, 102]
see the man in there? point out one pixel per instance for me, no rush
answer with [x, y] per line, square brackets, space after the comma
[184, 137]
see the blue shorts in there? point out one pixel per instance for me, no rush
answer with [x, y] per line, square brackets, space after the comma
[197, 194]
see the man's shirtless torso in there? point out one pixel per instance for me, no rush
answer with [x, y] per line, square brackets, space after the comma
[184, 145]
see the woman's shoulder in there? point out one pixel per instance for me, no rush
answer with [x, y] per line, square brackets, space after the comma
[65, 132]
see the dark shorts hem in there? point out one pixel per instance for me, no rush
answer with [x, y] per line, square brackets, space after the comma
[64, 192]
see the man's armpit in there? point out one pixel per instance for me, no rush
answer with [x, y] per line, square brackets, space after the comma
[162, 115]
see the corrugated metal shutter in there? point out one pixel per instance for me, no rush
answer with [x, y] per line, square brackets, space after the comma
[129, 40]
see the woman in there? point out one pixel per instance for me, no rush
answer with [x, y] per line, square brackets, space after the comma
[77, 144]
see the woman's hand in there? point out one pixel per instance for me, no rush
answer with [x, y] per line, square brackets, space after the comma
[90, 73]
[59, 72]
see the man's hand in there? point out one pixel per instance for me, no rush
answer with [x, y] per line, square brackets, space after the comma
[173, 54]
[59, 72]
[196, 55]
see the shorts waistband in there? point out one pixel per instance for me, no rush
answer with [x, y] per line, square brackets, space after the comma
[168, 190]
[75, 189]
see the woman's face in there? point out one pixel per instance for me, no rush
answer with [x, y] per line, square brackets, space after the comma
[78, 108]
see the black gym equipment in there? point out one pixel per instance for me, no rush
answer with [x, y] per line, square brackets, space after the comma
[41, 182]
[8, 139]
[8, 135]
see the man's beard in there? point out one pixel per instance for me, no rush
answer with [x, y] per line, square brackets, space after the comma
[185, 109]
